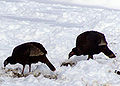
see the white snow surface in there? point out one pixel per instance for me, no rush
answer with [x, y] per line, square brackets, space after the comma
[112, 4]
[56, 25]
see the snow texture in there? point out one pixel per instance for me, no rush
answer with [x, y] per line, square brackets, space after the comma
[56, 24]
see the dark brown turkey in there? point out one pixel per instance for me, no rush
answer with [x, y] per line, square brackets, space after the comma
[90, 43]
[28, 53]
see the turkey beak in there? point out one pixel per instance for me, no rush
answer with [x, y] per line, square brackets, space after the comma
[70, 54]
[5, 63]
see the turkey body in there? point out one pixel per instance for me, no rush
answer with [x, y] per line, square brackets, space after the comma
[28, 53]
[90, 43]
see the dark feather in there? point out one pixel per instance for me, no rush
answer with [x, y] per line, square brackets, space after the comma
[90, 43]
[28, 53]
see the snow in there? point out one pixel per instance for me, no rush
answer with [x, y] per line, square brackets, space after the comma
[112, 4]
[56, 24]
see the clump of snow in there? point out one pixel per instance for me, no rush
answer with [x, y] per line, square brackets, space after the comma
[56, 25]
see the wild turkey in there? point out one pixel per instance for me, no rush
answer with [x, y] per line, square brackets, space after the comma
[90, 43]
[28, 53]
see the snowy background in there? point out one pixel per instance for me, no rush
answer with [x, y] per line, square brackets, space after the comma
[56, 24]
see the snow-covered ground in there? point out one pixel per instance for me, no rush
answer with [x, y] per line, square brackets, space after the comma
[112, 4]
[56, 24]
